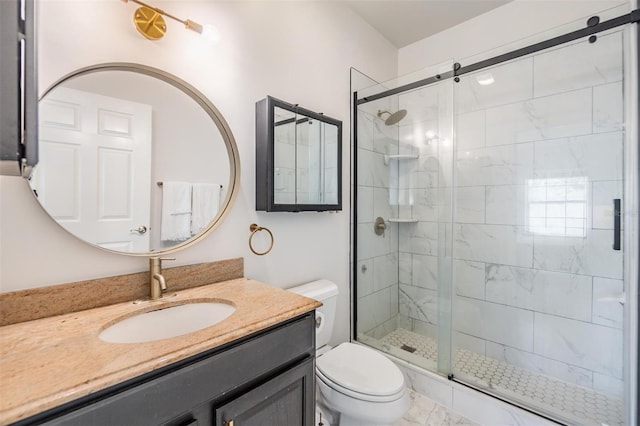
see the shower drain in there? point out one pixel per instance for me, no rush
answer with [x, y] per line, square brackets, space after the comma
[408, 348]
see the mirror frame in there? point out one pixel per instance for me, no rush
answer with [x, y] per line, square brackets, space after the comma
[265, 157]
[212, 112]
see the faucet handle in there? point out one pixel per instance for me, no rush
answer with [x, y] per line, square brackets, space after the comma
[158, 260]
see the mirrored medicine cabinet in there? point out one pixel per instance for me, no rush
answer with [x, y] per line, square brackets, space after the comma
[298, 158]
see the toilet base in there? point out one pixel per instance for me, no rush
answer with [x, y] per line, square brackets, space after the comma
[353, 412]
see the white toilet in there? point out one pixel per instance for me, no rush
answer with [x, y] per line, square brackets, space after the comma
[358, 384]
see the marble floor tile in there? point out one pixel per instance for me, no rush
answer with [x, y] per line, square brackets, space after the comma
[425, 412]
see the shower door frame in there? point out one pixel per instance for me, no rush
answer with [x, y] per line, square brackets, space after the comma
[631, 222]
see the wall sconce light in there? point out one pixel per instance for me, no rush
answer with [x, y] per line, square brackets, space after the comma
[150, 23]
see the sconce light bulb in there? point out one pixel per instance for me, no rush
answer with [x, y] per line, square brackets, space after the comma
[211, 33]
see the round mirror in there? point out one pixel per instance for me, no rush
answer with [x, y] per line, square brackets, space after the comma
[133, 159]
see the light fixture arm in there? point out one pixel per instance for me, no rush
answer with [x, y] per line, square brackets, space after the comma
[188, 23]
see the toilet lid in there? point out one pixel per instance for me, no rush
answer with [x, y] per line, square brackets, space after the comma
[361, 370]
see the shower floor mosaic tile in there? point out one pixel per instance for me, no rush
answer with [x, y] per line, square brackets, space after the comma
[582, 405]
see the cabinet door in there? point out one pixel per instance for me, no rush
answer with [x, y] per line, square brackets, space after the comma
[286, 400]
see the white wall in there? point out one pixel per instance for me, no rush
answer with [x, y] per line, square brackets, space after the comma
[499, 29]
[297, 51]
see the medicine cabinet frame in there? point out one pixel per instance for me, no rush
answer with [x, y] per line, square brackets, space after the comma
[266, 168]
[18, 86]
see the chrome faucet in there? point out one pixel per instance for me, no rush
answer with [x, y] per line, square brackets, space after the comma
[157, 283]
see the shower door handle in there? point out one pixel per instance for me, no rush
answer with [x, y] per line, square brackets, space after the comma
[616, 223]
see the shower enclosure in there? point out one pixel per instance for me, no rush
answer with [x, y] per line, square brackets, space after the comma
[490, 235]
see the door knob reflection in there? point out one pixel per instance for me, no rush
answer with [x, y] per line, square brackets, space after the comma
[140, 229]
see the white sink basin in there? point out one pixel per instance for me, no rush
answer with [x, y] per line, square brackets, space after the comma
[168, 322]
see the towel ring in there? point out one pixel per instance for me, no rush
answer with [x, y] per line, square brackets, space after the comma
[254, 229]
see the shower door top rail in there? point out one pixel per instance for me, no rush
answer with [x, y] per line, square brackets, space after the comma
[594, 26]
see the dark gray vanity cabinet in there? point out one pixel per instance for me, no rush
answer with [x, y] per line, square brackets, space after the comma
[265, 379]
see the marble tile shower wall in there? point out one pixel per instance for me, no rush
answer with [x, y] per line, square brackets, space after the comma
[539, 160]
[424, 184]
[401, 188]
[377, 255]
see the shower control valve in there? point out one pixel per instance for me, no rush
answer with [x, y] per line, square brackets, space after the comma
[379, 226]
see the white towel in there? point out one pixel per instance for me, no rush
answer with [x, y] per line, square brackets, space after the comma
[176, 211]
[205, 203]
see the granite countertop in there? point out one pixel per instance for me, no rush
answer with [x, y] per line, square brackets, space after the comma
[50, 361]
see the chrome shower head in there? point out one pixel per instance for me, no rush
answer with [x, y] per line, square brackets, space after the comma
[393, 118]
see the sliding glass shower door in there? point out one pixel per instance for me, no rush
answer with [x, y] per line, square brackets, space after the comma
[537, 312]
[404, 168]
[488, 227]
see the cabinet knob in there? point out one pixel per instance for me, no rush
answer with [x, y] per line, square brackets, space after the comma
[229, 423]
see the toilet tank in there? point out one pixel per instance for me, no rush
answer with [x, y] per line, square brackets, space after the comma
[326, 292]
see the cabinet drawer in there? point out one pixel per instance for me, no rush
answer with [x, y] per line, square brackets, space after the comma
[192, 382]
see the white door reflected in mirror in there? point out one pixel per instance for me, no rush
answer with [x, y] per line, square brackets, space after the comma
[95, 167]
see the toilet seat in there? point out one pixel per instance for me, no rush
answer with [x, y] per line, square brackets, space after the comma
[361, 373]
[356, 395]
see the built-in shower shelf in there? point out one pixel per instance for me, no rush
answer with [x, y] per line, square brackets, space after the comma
[400, 157]
[403, 219]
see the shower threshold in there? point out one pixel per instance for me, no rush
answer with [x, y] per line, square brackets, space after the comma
[561, 399]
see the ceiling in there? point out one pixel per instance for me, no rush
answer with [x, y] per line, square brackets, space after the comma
[403, 22]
